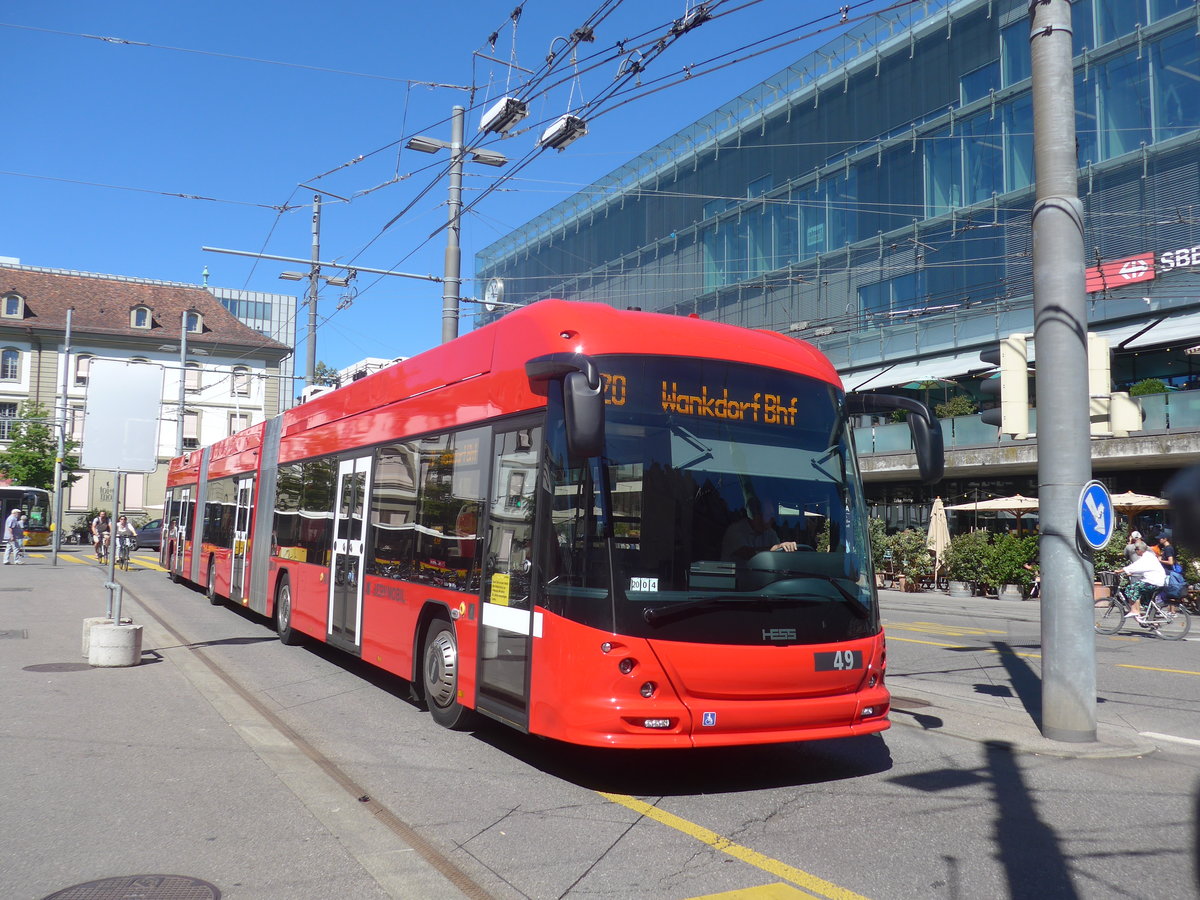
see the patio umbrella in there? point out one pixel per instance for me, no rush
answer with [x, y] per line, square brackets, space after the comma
[1016, 504]
[939, 534]
[1130, 504]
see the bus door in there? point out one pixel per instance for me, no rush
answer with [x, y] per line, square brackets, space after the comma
[243, 517]
[347, 563]
[508, 622]
[181, 523]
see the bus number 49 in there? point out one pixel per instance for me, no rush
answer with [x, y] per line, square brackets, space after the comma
[838, 660]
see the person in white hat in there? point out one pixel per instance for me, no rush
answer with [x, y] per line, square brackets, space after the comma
[1131, 549]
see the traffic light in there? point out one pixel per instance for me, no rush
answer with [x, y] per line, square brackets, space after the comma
[1112, 414]
[1099, 384]
[1011, 389]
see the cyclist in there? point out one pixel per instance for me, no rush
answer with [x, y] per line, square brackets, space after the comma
[101, 529]
[1146, 575]
[125, 532]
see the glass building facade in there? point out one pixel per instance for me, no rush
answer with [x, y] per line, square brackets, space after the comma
[875, 197]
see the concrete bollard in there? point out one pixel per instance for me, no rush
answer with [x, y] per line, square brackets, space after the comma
[89, 623]
[115, 645]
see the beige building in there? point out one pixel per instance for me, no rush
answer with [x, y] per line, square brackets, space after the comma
[231, 375]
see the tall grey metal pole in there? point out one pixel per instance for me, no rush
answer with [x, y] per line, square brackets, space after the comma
[1063, 425]
[183, 323]
[62, 444]
[452, 274]
[314, 279]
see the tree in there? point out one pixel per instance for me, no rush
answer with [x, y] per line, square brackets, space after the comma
[33, 447]
[326, 375]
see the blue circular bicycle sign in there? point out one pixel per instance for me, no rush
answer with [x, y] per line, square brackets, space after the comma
[1096, 519]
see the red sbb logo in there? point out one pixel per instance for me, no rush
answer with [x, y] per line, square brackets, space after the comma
[1134, 270]
[1118, 272]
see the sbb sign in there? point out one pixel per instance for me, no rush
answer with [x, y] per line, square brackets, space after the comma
[1178, 259]
[1138, 268]
[1119, 272]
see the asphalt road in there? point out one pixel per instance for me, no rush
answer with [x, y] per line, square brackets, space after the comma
[912, 813]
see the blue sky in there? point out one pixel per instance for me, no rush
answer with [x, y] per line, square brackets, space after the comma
[102, 134]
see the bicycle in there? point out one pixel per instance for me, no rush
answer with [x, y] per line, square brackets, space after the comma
[1110, 614]
[102, 548]
[124, 546]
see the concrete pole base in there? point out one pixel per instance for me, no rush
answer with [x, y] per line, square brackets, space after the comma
[89, 623]
[115, 645]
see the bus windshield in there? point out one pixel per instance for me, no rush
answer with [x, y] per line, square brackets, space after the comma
[726, 508]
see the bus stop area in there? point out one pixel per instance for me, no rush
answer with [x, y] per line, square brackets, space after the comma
[165, 769]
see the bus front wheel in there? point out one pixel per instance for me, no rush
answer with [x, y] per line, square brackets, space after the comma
[439, 675]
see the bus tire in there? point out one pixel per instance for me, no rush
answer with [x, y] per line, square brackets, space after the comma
[439, 676]
[210, 591]
[283, 613]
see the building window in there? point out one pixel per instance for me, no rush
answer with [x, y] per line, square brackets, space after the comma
[1176, 62]
[238, 422]
[1124, 116]
[1016, 60]
[139, 317]
[8, 412]
[240, 382]
[14, 306]
[191, 377]
[10, 364]
[75, 425]
[83, 364]
[191, 430]
[195, 322]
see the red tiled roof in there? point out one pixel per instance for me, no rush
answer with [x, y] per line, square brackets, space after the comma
[102, 305]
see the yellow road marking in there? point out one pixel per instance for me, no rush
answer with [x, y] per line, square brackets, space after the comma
[934, 628]
[777, 891]
[818, 886]
[892, 637]
[1153, 669]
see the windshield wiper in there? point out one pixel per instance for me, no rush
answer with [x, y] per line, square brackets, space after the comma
[860, 609]
[664, 613]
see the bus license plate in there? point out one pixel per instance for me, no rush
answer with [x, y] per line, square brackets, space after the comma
[838, 660]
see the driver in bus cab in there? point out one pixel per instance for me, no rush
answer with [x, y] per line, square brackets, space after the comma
[753, 533]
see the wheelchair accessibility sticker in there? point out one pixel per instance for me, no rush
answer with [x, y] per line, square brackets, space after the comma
[709, 720]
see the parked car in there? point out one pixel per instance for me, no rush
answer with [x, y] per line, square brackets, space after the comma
[149, 536]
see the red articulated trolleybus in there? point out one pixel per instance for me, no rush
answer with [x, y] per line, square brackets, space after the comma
[609, 528]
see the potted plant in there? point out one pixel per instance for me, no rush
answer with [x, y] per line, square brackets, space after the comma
[911, 558]
[1005, 564]
[964, 561]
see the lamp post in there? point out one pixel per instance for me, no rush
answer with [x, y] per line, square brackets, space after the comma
[452, 275]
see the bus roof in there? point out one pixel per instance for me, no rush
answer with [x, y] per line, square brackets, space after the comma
[502, 348]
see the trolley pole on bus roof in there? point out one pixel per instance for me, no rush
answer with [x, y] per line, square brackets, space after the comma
[61, 453]
[1063, 428]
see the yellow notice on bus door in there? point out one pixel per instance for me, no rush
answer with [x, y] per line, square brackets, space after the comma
[500, 585]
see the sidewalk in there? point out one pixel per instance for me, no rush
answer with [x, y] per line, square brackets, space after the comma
[161, 769]
[954, 708]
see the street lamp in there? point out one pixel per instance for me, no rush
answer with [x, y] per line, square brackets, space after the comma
[452, 278]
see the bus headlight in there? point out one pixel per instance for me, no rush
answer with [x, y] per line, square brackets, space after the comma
[648, 689]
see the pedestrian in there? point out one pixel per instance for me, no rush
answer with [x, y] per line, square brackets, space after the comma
[1176, 586]
[1131, 554]
[12, 525]
[21, 534]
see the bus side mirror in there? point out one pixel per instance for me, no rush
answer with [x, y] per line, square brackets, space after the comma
[583, 399]
[926, 432]
[583, 408]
